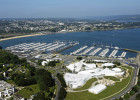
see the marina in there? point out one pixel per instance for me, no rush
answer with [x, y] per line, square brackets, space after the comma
[111, 52]
[31, 49]
[96, 39]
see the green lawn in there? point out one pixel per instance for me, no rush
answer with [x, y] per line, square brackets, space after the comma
[88, 84]
[52, 71]
[108, 92]
[111, 78]
[29, 90]
[11, 82]
[58, 64]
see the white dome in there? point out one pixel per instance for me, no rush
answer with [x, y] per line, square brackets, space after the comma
[117, 69]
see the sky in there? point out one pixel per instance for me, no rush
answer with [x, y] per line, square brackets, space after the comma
[67, 8]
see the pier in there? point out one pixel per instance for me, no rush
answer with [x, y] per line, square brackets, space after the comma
[123, 55]
[77, 51]
[87, 50]
[104, 52]
[95, 51]
[113, 53]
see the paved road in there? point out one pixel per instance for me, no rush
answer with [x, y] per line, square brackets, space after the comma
[58, 86]
[131, 84]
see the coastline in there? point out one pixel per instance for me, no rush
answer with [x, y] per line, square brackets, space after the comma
[20, 37]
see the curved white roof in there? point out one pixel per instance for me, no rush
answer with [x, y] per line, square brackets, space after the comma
[117, 69]
[108, 64]
[97, 89]
[90, 72]
[89, 66]
[100, 61]
[76, 80]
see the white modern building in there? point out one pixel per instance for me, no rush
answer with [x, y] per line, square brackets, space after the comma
[79, 66]
[43, 63]
[97, 89]
[76, 80]
[108, 65]
[83, 72]
[100, 61]
[38, 56]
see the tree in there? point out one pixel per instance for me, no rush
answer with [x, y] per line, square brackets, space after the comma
[61, 79]
[20, 79]
[126, 96]
[136, 88]
[62, 94]
[13, 76]
[117, 63]
[120, 98]
[39, 61]
[23, 61]
[52, 63]
[31, 69]
[132, 92]
[7, 58]
[29, 81]
[1, 76]
[42, 72]
[39, 96]
[44, 76]
[42, 86]
[79, 58]
[138, 96]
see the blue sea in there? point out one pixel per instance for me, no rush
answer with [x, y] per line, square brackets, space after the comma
[125, 38]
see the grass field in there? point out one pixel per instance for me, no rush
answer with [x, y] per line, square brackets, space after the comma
[111, 78]
[88, 84]
[52, 71]
[111, 90]
[11, 82]
[29, 90]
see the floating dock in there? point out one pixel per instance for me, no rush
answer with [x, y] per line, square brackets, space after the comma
[77, 51]
[95, 51]
[114, 52]
[104, 52]
[87, 50]
[122, 55]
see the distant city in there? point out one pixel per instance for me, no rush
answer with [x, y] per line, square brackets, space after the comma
[12, 27]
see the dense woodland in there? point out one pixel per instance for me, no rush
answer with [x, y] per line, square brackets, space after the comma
[23, 74]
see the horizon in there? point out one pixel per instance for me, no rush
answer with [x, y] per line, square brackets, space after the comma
[67, 9]
[84, 17]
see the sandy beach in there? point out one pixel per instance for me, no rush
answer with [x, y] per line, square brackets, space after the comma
[20, 37]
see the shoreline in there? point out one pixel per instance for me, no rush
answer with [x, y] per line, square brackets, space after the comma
[15, 37]
[22, 36]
